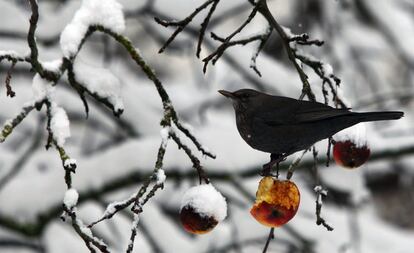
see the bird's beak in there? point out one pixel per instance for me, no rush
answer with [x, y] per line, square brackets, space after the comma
[227, 94]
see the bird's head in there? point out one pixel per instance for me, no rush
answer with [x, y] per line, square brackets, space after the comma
[242, 99]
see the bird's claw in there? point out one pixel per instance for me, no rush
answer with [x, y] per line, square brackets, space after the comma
[265, 172]
[274, 162]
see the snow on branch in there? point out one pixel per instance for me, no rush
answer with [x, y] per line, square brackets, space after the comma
[100, 83]
[107, 13]
[85, 233]
[71, 198]
[139, 199]
[10, 55]
[59, 124]
[185, 130]
[326, 73]
[263, 39]
[320, 192]
[70, 201]
[9, 125]
[134, 228]
[42, 89]
[301, 39]
[196, 162]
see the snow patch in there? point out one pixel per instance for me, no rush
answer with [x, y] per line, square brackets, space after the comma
[10, 53]
[321, 192]
[101, 82]
[136, 221]
[288, 32]
[327, 69]
[112, 207]
[160, 177]
[205, 200]
[53, 66]
[71, 198]
[189, 127]
[70, 163]
[59, 124]
[134, 227]
[85, 230]
[165, 134]
[41, 88]
[107, 13]
[357, 134]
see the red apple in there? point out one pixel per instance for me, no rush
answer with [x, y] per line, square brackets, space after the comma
[349, 155]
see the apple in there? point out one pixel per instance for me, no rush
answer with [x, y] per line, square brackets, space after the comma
[349, 155]
[277, 202]
[202, 208]
[195, 222]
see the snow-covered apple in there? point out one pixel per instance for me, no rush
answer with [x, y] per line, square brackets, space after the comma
[351, 148]
[202, 208]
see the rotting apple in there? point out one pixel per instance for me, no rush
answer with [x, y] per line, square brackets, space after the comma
[277, 202]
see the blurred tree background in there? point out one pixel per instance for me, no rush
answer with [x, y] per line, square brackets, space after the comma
[367, 43]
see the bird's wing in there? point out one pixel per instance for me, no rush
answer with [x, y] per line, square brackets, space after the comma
[291, 111]
[317, 114]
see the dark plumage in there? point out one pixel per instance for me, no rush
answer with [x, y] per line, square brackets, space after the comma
[282, 125]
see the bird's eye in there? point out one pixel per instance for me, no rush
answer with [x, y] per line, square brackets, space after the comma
[244, 97]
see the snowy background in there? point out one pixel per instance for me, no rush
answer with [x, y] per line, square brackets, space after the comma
[368, 44]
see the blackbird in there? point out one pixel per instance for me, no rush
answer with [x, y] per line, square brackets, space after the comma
[281, 125]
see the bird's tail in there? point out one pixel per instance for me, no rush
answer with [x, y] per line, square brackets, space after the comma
[375, 116]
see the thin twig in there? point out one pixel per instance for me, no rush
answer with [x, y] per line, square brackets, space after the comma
[31, 40]
[196, 162]
[320, 192]
[10, 125]
[180, 24]
[295, 164]
[264, 38]
[9, 89]
[264, 10]
[269, 238]
[85, 233]
[213, 57]
[204, 26]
